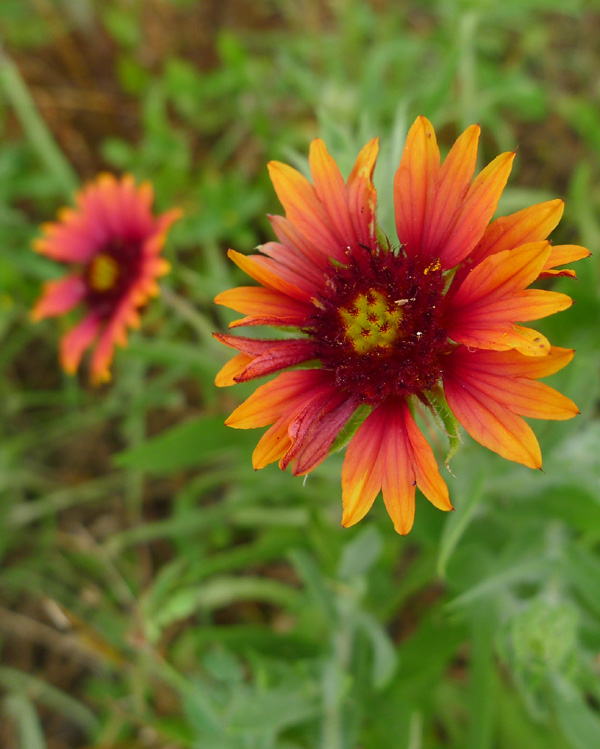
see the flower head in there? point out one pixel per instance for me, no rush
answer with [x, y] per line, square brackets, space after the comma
[112, 242]
[389, 327]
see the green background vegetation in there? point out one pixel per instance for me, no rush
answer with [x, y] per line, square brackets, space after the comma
[156, 592]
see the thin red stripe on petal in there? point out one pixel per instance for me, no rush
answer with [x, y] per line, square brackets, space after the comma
[306, 274]
[414, 184]
[288, 235]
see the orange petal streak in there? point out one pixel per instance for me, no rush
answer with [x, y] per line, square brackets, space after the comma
[414, 184]
[304, 209]
[263, 303]
[264, 270]
[267, 402]
[398, 471]
[453, 182]
[492, 424]
[532, 224]
[58, 297]
[479, 206]
[76, 341]
[227, 374]
[362, 196]
[362, 469]
[331, 190]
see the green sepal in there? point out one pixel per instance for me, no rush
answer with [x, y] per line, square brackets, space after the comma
[445, 420]
[350, 427]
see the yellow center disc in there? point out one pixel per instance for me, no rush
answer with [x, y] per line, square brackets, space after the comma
[103, 272]
[372, 321]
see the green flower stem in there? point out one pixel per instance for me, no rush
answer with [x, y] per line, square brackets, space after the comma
[18, 97]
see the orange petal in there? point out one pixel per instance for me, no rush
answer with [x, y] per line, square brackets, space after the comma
[227, 374]
[362, 469]
[425, 465]
[453, 183]
[59, 297]
[295, 267]
[304, 209]
[531, 304]
[362, 196]
[479, 206]
[532, 224]
[314, 430]
[260, 302]
[290, 236]
[398, 471]
[492, 424]
[115, 333]
[414, 184]
[529, 398]
[502, 274]
[269, 401]
[513, 363]
[331, 191]
[76, 341]
[565, 253]
[273, 445]
[264, 270]
[503, 338]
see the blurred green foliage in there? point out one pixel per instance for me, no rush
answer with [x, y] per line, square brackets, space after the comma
[156, 591]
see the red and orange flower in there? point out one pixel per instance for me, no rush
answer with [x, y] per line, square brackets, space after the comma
[391, 327]
[113, 242]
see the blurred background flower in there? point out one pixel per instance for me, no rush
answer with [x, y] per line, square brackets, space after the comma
[156, 591]
[112, 243]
